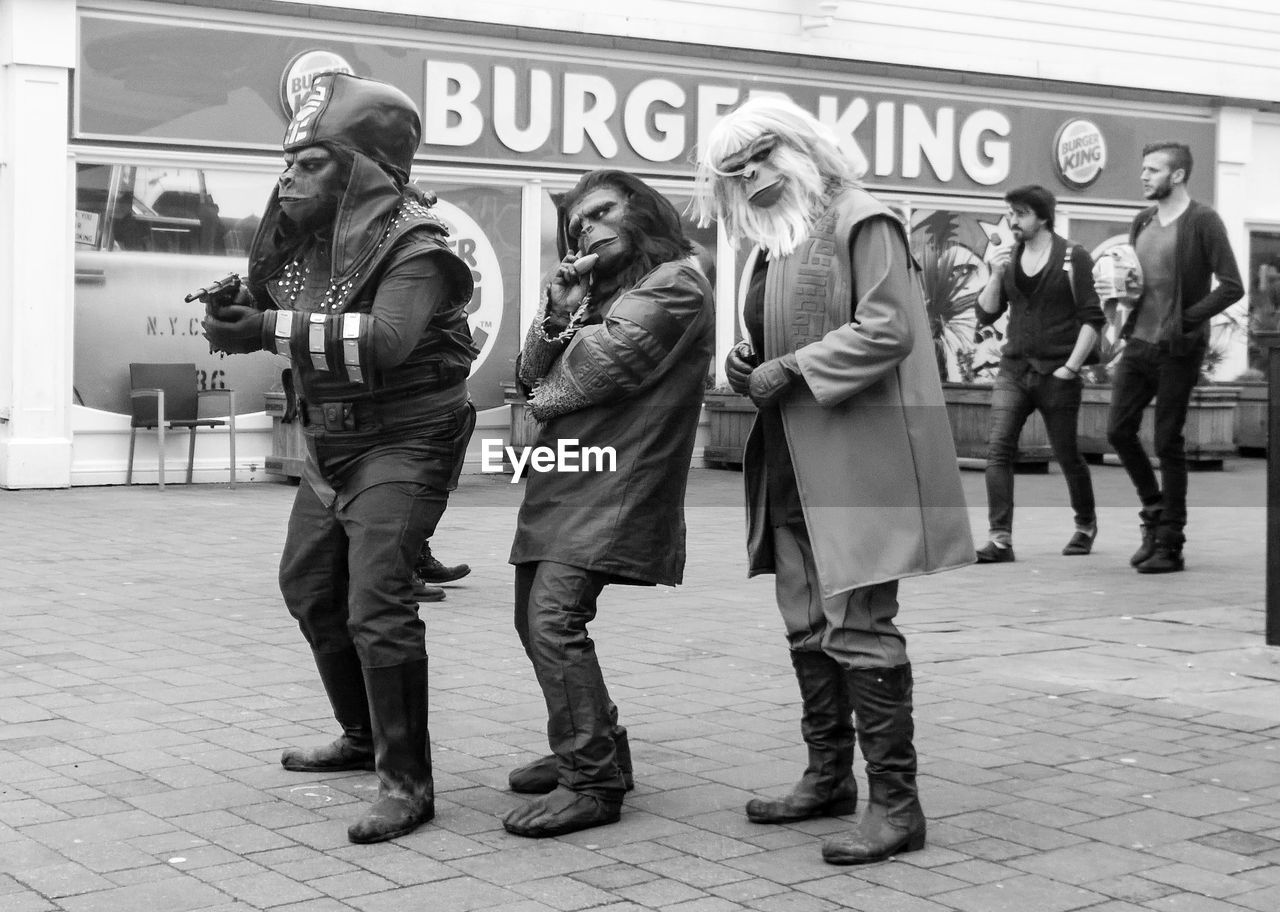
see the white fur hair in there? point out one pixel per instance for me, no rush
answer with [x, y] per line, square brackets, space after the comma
[808, 152]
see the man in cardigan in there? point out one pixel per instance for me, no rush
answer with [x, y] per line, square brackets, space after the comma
[1045, 282]
[851, 473]
[1182, 247]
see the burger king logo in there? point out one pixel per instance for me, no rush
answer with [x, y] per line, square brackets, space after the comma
[1079, 153]
[295, 82]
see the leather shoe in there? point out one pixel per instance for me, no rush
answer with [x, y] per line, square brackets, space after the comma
[1081, 543]
[343, 754]
[542, 775]
[390, 818]
[430, 570]
[424, 592]
[991, 553]
[562, 811]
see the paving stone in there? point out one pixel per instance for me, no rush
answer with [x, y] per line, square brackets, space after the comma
[1069, 758]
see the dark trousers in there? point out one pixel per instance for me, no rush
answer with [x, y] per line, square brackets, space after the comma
[345, 572]
[856, 628]
[1012, 402]
[1147, 372]
[553, 604]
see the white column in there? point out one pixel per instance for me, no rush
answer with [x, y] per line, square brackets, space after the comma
[1235, 152]
[37, 52]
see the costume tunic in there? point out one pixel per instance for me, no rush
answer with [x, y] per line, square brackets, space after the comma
[633, 382]
[868, 433]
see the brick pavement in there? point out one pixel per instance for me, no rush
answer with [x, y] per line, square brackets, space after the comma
[1090, 739]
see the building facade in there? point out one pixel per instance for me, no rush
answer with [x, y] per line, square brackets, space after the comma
[141, 140]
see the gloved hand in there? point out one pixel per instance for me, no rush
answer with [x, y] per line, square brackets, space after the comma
[771, 380]
[232, 295]
[738, 365]
[236, 330]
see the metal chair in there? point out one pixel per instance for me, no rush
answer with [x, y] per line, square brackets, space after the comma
[164, 397]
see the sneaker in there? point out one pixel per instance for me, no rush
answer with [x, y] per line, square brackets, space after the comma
[991, 553]
[1081, 542]
[430, 570]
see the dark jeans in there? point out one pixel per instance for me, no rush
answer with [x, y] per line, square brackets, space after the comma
[1147, 372]
[1012, 402]
[553, 604]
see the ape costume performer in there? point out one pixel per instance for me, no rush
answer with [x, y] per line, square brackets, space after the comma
[617, 358]
[350, 276]
[850, 469]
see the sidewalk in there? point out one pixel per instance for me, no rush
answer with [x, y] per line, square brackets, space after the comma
[1090, 739]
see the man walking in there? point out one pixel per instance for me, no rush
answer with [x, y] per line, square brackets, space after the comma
[1046, 284]
[1181, 247]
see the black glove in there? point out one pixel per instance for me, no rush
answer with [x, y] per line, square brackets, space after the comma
[236, 330]
[771, 380]
[233, 294]
[738, 366]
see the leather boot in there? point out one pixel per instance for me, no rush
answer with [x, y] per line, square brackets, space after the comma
[1150, 522]
[827, 787]
[343, 680]
[580, 720]
[430, 570]
[1167, 555]
[402, 744]
[539, 777]
[892, 820]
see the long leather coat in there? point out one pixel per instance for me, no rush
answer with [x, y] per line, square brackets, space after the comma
[633, 382]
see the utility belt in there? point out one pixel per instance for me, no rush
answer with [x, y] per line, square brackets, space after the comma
[371, 415]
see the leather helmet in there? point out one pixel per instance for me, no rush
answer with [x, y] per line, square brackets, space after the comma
[360, 114]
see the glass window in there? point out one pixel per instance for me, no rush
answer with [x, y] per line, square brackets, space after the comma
[168, 209]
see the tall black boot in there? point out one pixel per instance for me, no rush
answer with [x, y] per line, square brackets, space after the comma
[892, 820]
[827, 787]
[1150, 519]
[343, 681]
[402, 744]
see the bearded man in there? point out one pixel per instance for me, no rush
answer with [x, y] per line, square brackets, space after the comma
[350, 277]
[616, 358]
[851, 474]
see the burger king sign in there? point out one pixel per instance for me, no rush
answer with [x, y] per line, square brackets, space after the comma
[1079, 153]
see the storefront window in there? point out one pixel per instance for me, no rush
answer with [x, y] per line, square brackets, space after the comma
[166, 209]
[952, 247]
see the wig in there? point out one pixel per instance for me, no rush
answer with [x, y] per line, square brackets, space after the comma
[807, 152]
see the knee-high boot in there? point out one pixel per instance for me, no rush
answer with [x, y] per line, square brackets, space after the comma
[892, 820]
[402, 748]
[827, 787]
[343, 680]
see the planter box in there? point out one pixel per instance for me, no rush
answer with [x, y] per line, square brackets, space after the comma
[1210, 430]
[969, 410]
[1251, 419]
[288, 451]
[524, 429]
[729, 417]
